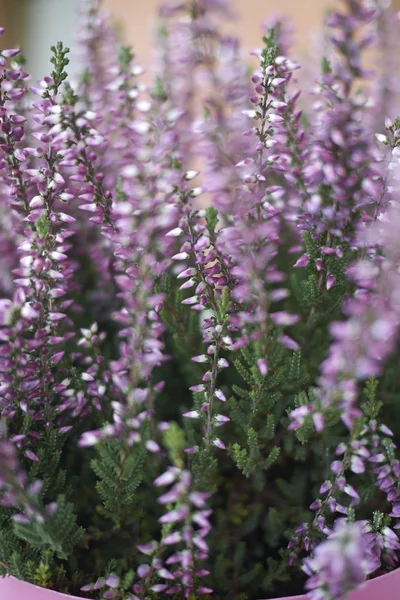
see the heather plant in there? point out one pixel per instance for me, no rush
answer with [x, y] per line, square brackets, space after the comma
[200, 311]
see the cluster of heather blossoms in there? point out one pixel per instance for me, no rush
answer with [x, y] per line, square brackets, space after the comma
[182, 525]
[341, 563]
[200, 293]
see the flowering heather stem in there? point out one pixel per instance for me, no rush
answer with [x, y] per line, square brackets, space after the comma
[14, 491]
[341, 173]
[185, 523]
[190, 40]
[340, 564]
[211, 294]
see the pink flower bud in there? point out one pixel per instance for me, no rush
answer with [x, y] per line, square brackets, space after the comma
[262, 366]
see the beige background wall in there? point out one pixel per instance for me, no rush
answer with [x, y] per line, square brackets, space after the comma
[36, 24]
[138, 19]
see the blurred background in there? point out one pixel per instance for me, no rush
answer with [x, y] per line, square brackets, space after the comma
[37, 24]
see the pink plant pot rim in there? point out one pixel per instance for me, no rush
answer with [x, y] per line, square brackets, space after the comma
[386, 587]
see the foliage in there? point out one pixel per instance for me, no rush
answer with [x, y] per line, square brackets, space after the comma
[194, 396]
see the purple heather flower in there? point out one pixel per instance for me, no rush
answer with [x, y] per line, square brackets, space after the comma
[342, 157]
[363, 342]
[14, 488]
[249, 238]
[189, 520]
[340, 564]
[102, 173]
[44, 276]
